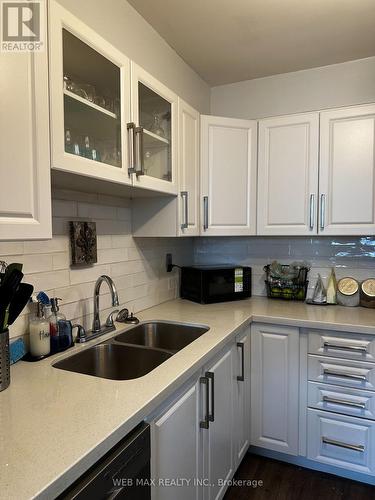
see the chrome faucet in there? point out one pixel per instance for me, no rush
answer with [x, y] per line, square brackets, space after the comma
[96, 326]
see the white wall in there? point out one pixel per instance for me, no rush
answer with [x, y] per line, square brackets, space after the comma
[313, 89]
[121, 25]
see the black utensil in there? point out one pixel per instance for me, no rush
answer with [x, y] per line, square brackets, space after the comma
[19, 301]
[7, 291]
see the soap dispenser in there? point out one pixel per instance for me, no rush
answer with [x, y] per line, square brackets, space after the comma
[54, 329]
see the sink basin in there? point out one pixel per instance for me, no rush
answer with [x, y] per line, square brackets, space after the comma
[114, 361]
[168, 336]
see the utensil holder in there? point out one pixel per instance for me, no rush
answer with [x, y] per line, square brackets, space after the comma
[4, 360]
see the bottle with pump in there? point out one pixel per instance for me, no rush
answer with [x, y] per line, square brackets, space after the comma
[39, 329]
[54, 319]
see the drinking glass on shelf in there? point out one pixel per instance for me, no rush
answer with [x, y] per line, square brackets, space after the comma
[156, 127]
[87, 91]
[67, 82]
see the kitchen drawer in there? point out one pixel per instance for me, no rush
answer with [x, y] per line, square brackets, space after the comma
[347, 373]
[354, 402]
[339, 345]
[341, 441]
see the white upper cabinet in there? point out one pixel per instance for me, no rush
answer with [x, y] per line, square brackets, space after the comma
[90, 100]
[25, 201]
[347, 171]
[188, 160]
[288, 175]
[155, 117]
[228, 176]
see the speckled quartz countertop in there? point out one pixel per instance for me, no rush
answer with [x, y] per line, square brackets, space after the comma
[55, 424]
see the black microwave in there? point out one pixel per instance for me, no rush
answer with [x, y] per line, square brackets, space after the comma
[210, 284]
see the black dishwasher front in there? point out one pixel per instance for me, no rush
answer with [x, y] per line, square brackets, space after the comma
[123, 473]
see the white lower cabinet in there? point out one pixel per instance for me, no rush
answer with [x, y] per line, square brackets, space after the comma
[200, 437]
[341, 441]
[176, 448]
[275, 387]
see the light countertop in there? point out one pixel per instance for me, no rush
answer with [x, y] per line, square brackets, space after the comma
[55, 424]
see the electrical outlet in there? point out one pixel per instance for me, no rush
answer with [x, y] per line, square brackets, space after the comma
[168, 262]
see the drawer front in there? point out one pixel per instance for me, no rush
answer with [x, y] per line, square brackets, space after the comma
[341, 441]
[351, 346]
[341, 372]
[342, 400]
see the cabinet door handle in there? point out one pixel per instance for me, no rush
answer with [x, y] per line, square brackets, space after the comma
[332, 373]
[184, 196]
[356, 348]
[312, 211]
[344, 402]
[340, 444]
[322, 210]
[131, 147]
[241, 377]
[205, 213]
[211, 376]
[204, 424]
[139, 160]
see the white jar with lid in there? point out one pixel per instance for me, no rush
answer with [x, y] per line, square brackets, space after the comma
[367, 293]
[348, 292]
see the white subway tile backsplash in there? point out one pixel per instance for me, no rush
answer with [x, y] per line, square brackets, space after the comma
[351, 256]
[47, 263]
[110, 255]
[91, 211]
[11, 248]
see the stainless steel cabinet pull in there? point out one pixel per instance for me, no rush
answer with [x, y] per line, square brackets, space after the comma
[131, 147]
[322, 210]
[211, 376]
[333, 442]
[344, 402]
[360, 348]
[312, 211]
[345, 375]
[206, 422]
[139, 157]
[184, 196]
[241, 377]
[205, 213]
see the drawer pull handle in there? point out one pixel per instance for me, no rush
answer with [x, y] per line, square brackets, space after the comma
[204, 424]
[344, 402]
[359, 348]
[332, 373]
[340, 444]
[241, 378]
[211, 376]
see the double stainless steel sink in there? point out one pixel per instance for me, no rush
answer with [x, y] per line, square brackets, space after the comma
[133, 353]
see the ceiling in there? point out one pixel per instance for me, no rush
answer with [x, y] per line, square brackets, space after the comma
[232, 40]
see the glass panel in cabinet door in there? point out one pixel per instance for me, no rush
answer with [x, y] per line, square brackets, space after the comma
[92, 110]
[155, 118]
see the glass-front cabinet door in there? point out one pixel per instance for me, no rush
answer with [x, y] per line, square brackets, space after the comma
[154, 116]
[90, 100]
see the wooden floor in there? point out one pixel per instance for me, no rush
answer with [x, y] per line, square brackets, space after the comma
[282, 481]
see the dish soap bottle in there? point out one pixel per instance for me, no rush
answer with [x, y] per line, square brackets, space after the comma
[39, 330]
[332, 288]
[54, 319]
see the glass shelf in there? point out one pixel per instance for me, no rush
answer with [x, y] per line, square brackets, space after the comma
[155, 118]
[86, 102]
